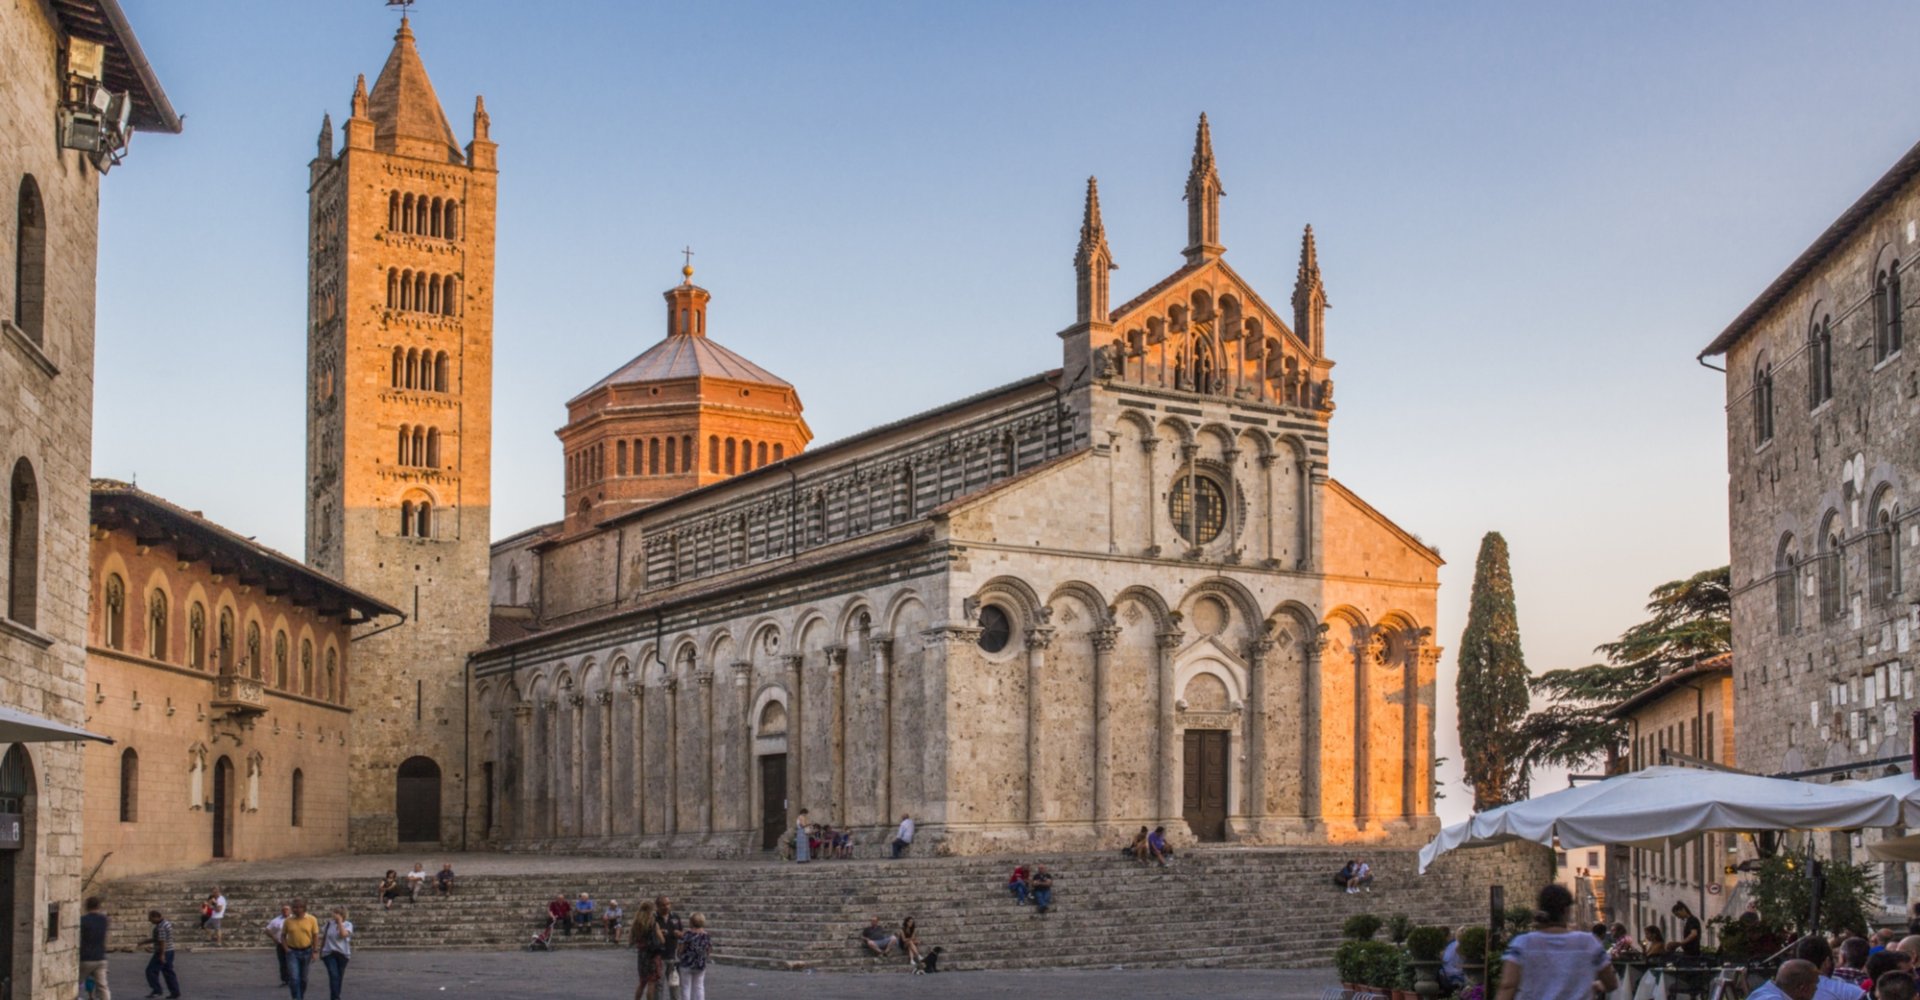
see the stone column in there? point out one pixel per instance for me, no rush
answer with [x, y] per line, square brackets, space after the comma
[741, 791]
[1362, 720]
[1150, 444]
[1267, 464]
[883, 681]
[1189, 454]
[1312, 652]
[669, 689]
[705, 679]
[1256, 798]
[576, 806]
[1103, 643]
[637, 691]
[1038, 638]
[1169, 781]
[1410, 722]
[1231, 456]
[796, 744]
[603, 774]
[837, 732]
[522, 801]
[549, 801]
[1312, 479]
[1429, 672]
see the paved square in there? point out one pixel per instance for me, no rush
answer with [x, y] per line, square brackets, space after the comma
[393, 975]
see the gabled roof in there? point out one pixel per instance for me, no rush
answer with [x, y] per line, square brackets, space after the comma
[127, 69]
[1721, 664]
[403, 105]
[682, 356]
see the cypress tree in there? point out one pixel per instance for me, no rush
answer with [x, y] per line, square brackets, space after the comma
[1492, 687]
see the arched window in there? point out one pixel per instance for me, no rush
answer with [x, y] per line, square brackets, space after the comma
[413, 369]
[306, 667]
[1762, 403]
[653, 456]
[333, 669]
[1883, 550]
[442, 372]
[113, 601]
[433, 222]
[402, 443]
[730, 459]
[420, 291]
[23, 546]
[406, 518]
[299, 793]
[406, 289]
[197, 636]
[686, 453]
[253, 650]
[451, 226]
[30, 263]
[1886, 312]
[423, 519]
[406, 214]
[419, 452]
[433, 295]
[673, 457]
[1831, 575]
[223, 641]
[713, 453]
[399, 368]
[393, 291]
[433, 447]
[129, 786]
[448, 297]
[620, 457]
[393, 211]
[157, 624]
[280, 660]
[760, 453]
[1819, 362]
[779, 451]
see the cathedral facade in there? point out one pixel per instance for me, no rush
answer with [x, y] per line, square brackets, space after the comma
[1121, 592]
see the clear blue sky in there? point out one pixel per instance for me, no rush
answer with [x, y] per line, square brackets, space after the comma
[1530, 216]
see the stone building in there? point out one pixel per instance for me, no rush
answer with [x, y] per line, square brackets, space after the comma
[222, 670]
[75, 83]
[1123, 591]
[399, 423]
[1821, 471]
[1689, 711]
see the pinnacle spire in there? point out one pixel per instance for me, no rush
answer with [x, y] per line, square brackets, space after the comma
[325, 141]
[1203, 199]
[404, 108]
[1093, 232]
[1310, 296]
[1309, 261]
[360, 96]
[1092, 261]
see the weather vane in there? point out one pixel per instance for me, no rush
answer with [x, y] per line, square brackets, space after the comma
[402, 4]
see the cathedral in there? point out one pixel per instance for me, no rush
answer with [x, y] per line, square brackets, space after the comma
[1116, 593]
[1123, 591]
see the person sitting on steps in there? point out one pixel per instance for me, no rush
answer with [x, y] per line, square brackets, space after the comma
[444, 881]
[1345, 874]
[1361, 877]
[583, 914]
[560, 914]
[1042, 889]
[877, 940]
[389, 889]
[1157, 846]
[1017, 884]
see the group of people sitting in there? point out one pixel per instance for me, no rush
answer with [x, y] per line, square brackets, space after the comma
[1355, 876]
[1035, 885]
[1150, 846]
[416, 880]
[580, 916]
[880, 943]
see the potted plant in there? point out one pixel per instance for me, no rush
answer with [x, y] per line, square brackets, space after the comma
[1473, 954]
[1424, 945]
[1360, 927]
[1398, 927]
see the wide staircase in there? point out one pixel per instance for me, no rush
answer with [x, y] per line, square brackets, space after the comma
[1221, 907]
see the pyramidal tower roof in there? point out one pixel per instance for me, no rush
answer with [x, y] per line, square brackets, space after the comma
[406, 114]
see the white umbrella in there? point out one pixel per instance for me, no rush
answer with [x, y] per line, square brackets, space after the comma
[1660, 806]
[1905, 848]
[25, 727]
[1901, 786]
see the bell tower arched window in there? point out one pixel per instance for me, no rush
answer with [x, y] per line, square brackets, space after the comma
[1819, 364]
[30, 263]
[23, 546]
[197, 636]
[113, 626]
[1886, 312]
[157, 624]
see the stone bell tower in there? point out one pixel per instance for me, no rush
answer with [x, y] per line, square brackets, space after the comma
[399, 418]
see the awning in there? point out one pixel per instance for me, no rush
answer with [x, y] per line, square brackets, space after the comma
[17, 726]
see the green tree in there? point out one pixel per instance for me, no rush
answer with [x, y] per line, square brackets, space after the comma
[1492, 688]
[1784, 894]
[1688, 621]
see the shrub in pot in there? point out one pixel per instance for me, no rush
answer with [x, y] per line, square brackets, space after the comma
[1424, 946]
[1360, 927]
[1398, 927]
[1473, 953]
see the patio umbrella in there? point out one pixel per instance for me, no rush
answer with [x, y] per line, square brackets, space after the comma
[17, 726]
[1901, 786]
[1661, 806]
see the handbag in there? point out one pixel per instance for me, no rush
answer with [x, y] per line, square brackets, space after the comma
[673, 976]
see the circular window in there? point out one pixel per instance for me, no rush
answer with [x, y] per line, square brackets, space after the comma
[995, 629]
[1199, 509]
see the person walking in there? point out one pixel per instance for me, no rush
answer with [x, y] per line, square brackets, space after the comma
[800, 838]
[216, 913]
[336, 948]
[301, 934]
[279, 946]
[160, 964]
[903, 837]
[647, 941]
[1553, 961]
[93, 950]
[695, 947]
[671, 928]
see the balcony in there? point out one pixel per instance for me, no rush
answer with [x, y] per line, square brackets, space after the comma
[240, 696]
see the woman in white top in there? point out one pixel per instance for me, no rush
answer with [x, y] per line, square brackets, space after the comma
[800, 835]
[1554, 962]
[336, 947]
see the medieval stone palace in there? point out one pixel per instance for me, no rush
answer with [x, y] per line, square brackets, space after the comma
[1124, 591]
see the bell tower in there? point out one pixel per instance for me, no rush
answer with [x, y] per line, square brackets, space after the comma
[399, 418]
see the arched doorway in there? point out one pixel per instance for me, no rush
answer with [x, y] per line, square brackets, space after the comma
[16, 873]
[416, 801]
[770, 746]
[223, 808]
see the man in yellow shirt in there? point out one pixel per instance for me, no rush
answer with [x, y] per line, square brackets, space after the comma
[301, 935]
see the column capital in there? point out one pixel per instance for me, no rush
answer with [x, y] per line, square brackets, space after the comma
[603, 698]
[792, 661]
[1257, 650]
[1229, 455]
[1170, 639]
[882, 644]
[576, 699]
[635, 687]
[742, 667]
[1104, 639]
[1149, 444]
[836, 656]
[704, 678]
[524, 710]
[1189, 450]
[1267, 460]
[953, 635]
[669, 683]
[1039, 637]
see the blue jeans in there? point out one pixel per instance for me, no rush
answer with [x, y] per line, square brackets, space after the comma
[1019, 890]
[158, 966]
[336, 971]
[1042, 898]
[297, 961]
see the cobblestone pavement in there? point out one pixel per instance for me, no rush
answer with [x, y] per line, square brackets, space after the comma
[411, 975]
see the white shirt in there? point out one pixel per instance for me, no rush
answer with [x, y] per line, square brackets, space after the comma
[905, 835]
[1837, 989]
[219, 907]
[274, 929]
[416, 875]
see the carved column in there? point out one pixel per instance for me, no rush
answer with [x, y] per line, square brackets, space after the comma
[1423, 751]
[1189, 454]
[1150, 444]
[796, 742]
[1272, 492]
[637, 755]
[707, 791]
[576, 808]
[1312, 478]
[1364, 658]
[1232, 457]
[837, 732]
[669, 689]
[1038, 638]
[603, 774]
[741, 790]
[1409, 719]
[1256, 798]
[523, 756]
[1103, 643]
[549, 800]
[1312, 653]
[883, 681]
[1169, 781]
